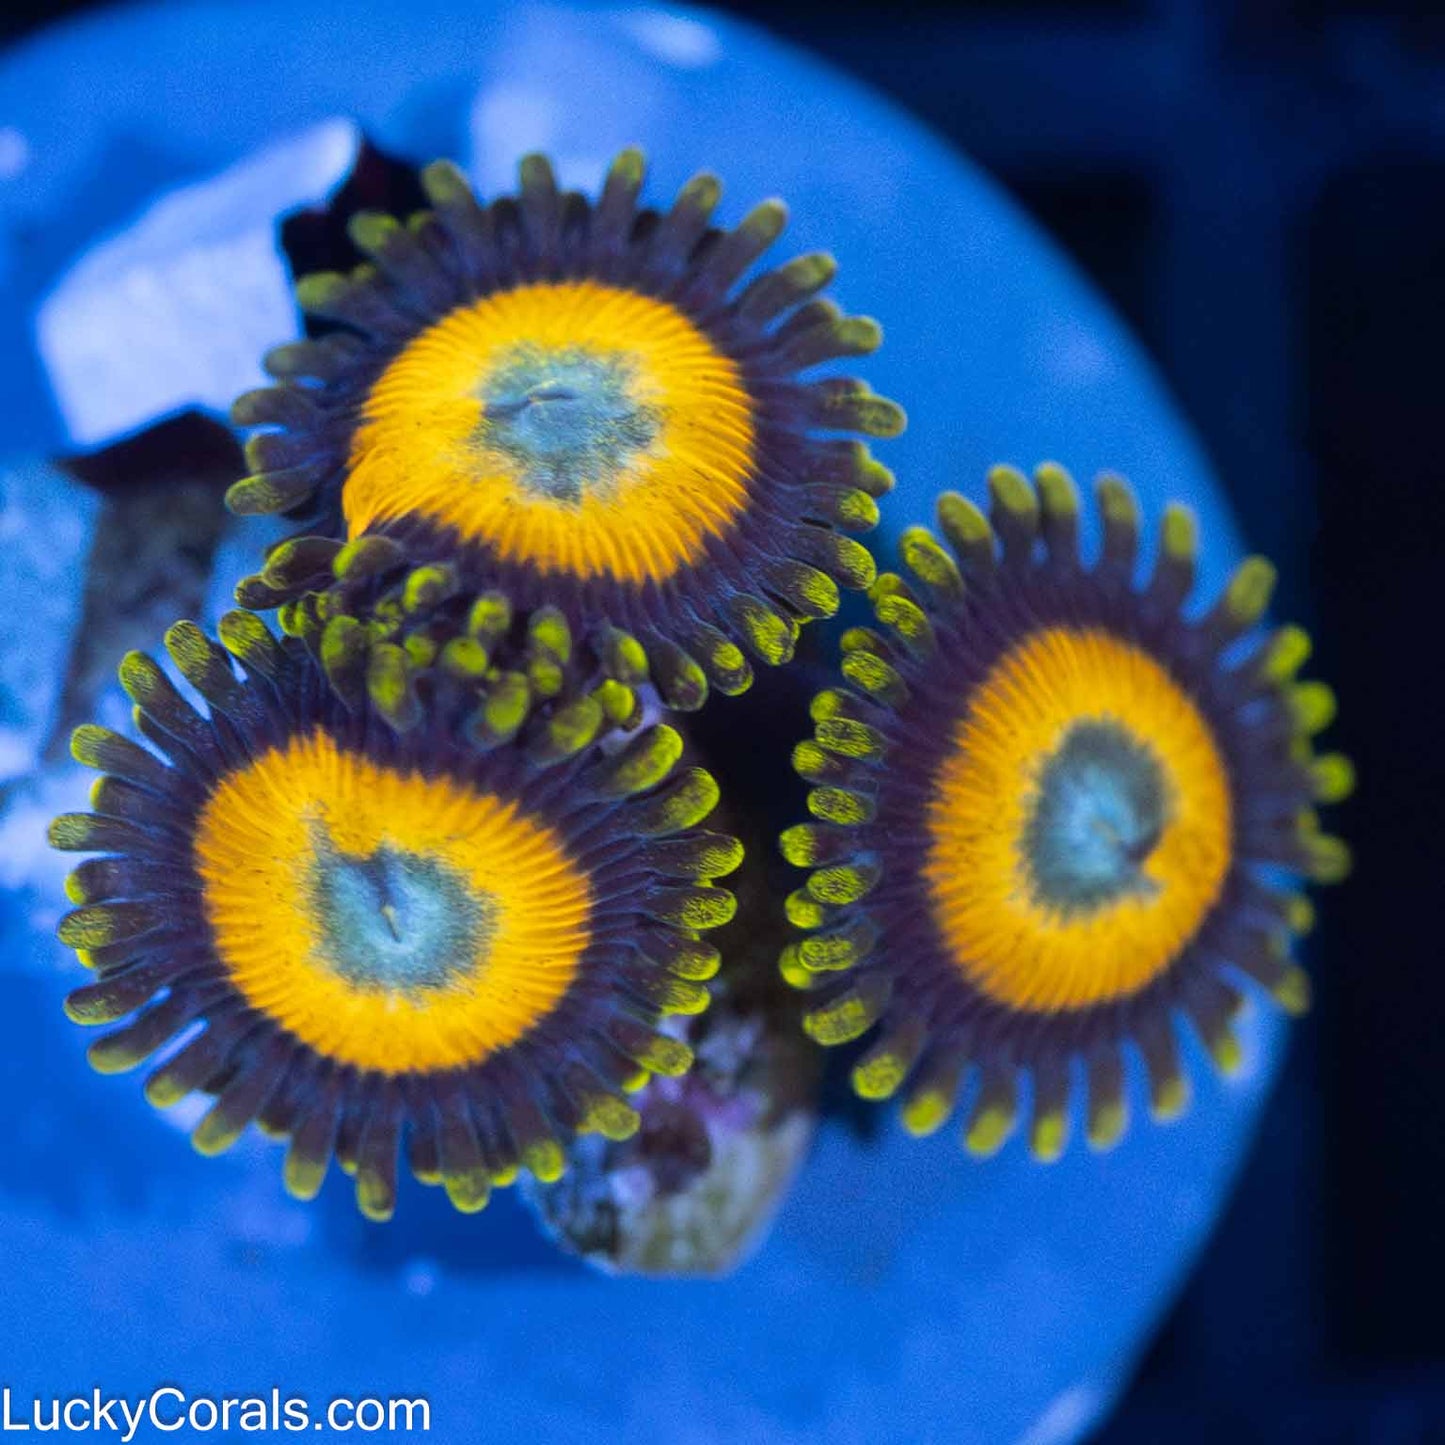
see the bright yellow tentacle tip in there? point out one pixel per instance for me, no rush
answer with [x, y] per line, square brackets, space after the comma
[926, 1111]
[995, 1114]
[1048, 1135]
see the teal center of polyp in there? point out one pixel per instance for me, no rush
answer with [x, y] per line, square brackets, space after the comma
[1098, 814]
[567, 420]
[395, 921]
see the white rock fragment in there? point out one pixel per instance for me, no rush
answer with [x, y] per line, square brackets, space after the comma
[46, 522]
[177, 309]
